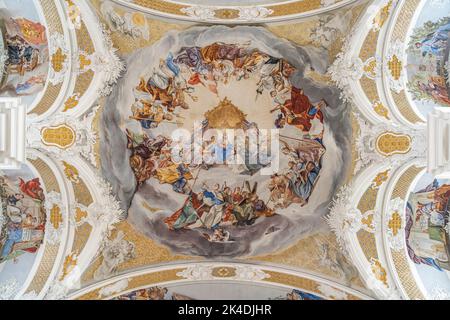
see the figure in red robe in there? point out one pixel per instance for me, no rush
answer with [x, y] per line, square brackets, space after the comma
[300, 112]
[32, 188]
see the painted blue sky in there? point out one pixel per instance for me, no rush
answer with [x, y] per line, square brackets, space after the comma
[434, 10]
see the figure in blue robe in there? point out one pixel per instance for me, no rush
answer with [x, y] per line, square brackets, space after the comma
[302, 183]
[14, 235]
[178, 186]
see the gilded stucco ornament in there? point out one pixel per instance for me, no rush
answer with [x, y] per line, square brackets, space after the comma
[114, 288]
[113, 253]
[106, 63]
[394, 66]
[366, 143]
[331, 293]
[3, 59]
[346, 69]
[8, 289]
[213, 272]
[59, 57]
[377, 281]
[199, 12]
[74, 14]
[102, 215]
[85, 136]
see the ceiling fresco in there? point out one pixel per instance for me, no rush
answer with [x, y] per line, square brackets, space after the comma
[25, 39]
[190, 150]
[209, 291]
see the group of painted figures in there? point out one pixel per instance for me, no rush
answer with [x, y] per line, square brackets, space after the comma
[171, 85]
[432, 76]
[162, 293]
[23, 217]
[217, 207]
[174, 82]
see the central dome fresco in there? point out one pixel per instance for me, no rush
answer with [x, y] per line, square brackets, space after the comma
[219, 144]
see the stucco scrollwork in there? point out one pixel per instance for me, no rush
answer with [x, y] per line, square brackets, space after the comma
[243, 13]
[214, 272]
[369, 133]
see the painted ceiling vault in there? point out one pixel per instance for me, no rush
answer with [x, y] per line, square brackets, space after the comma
[194, 149]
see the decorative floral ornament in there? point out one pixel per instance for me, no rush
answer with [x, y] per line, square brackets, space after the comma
[3, 59]
[253, 13]
[332, 293]
[85, 136]
[59, 58]
[56, 216]
[439, 293]
[346, 69]
[243, 13]
[344, 218]
[114, 288]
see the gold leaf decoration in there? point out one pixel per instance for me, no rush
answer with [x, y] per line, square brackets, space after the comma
[56, 216]
[381, 110]
[389, 143]
[383, 15]
[62, 136]
[69, 263]
[58, 59]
